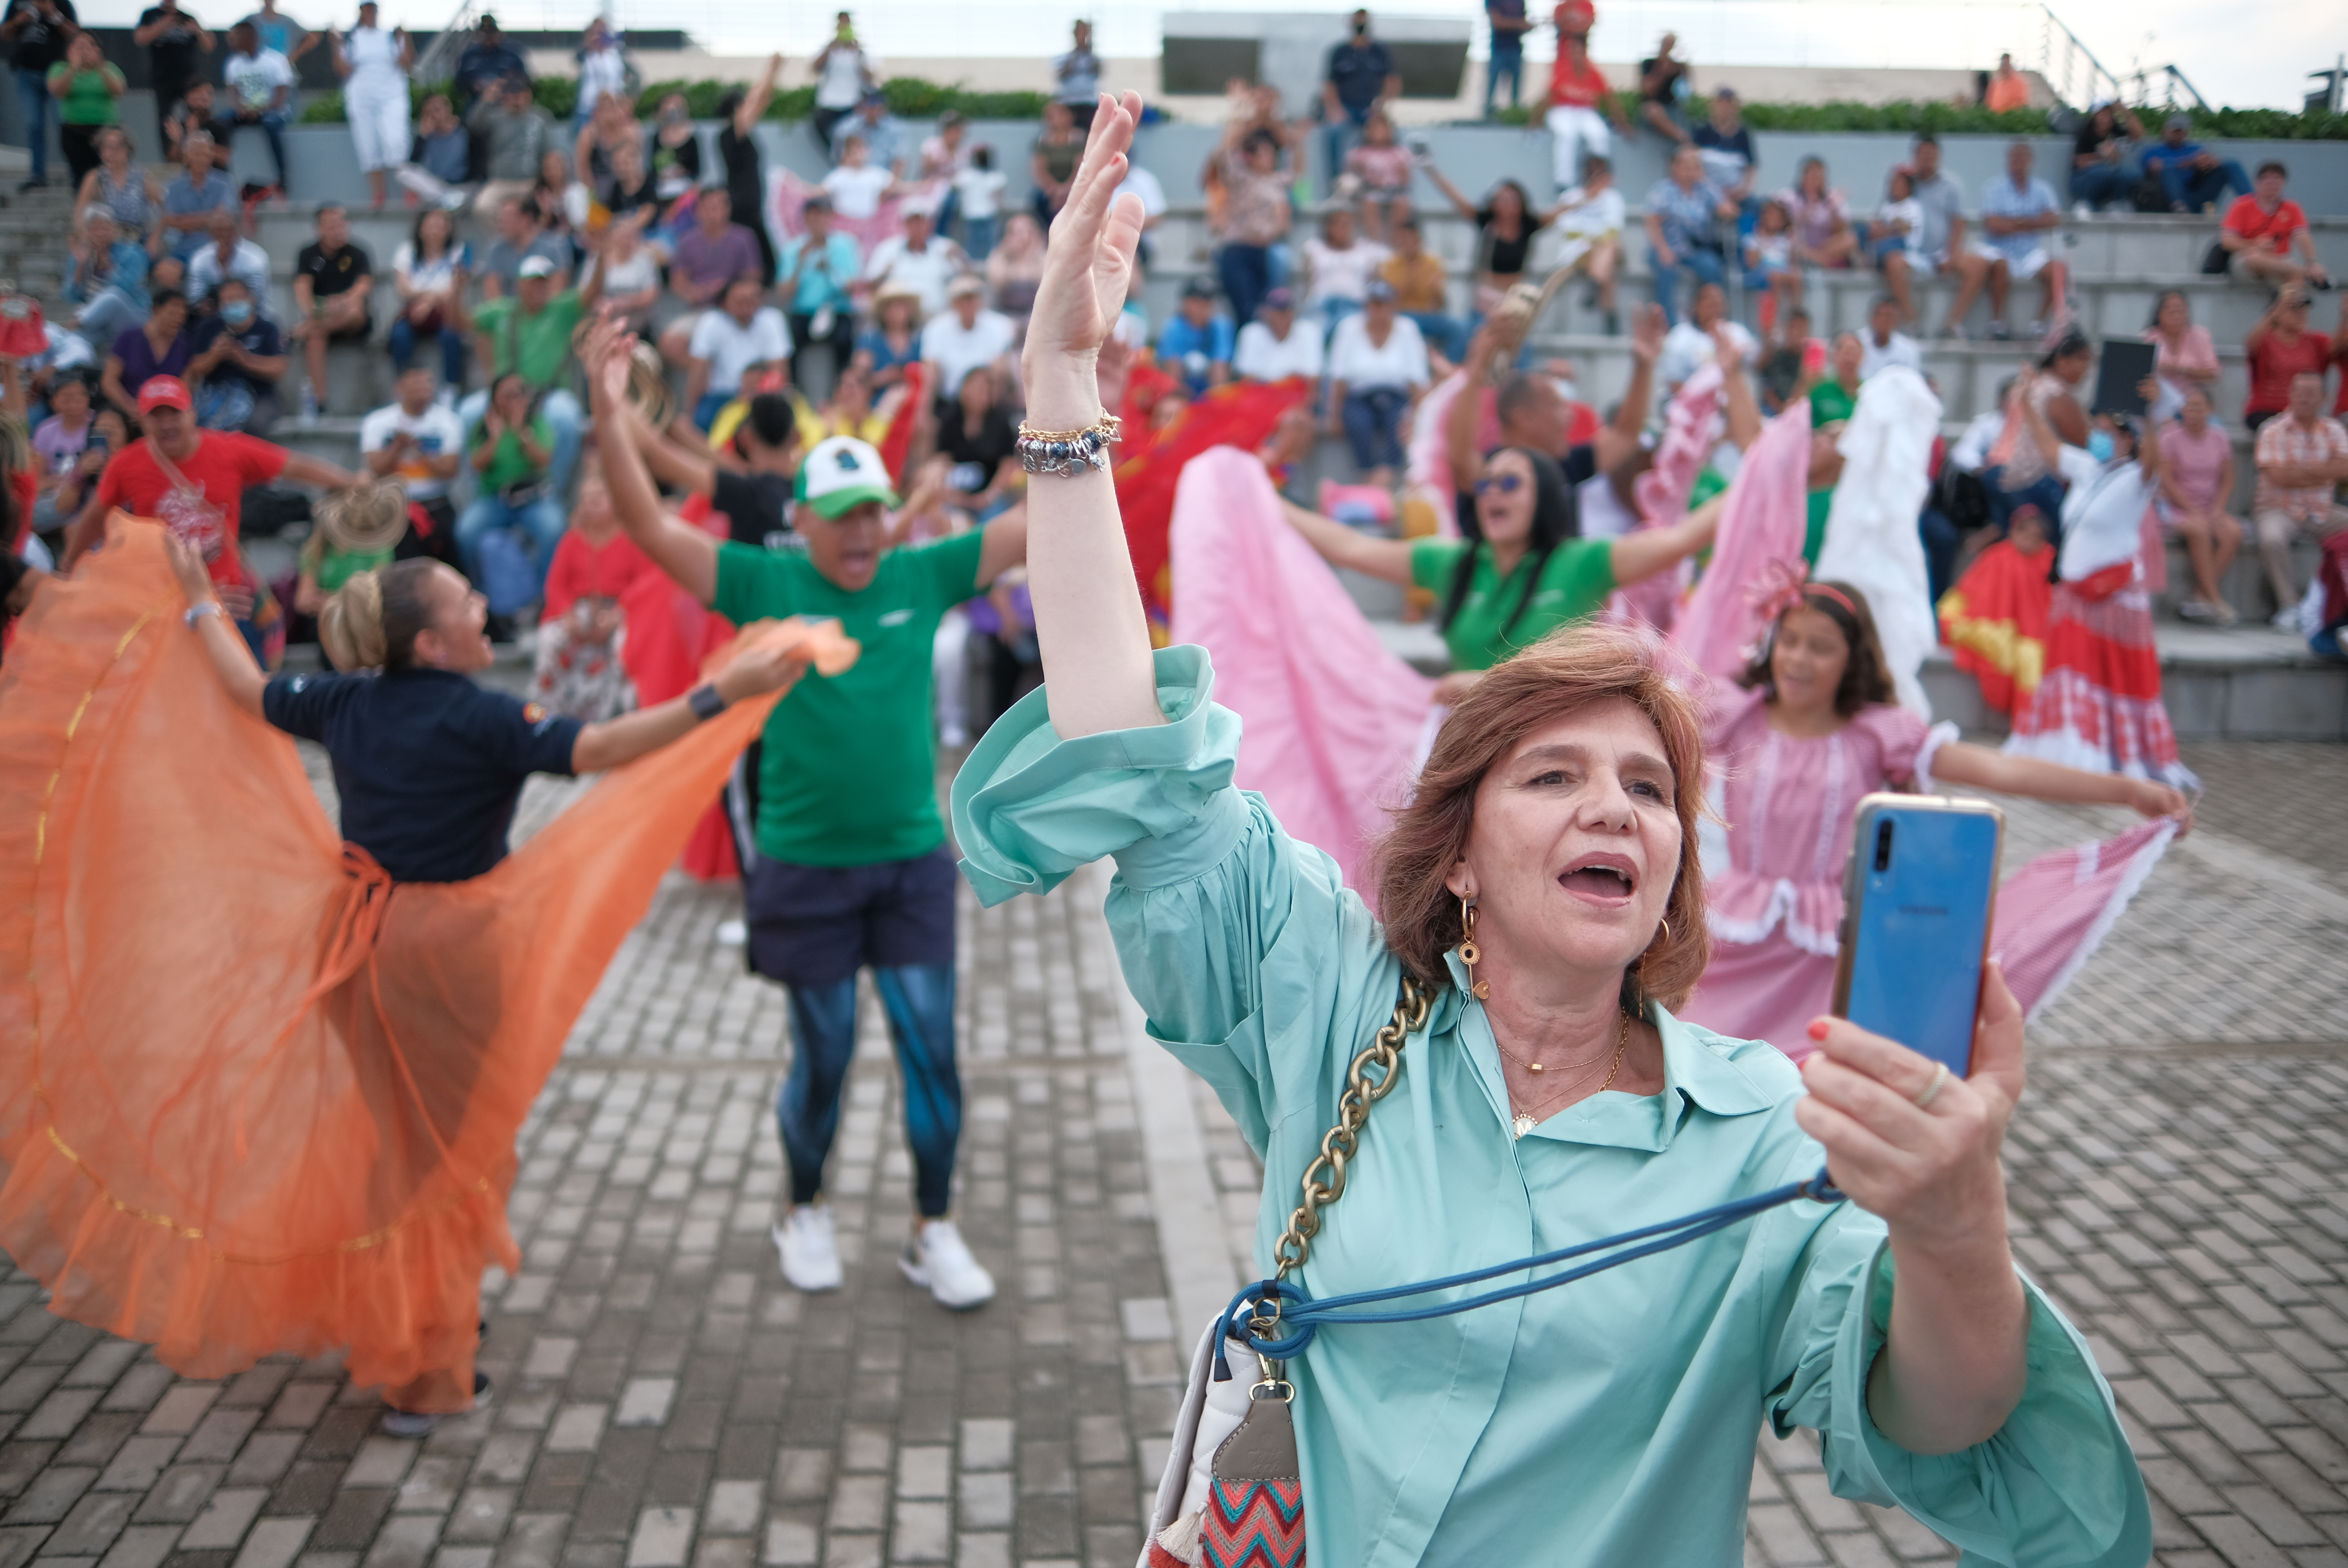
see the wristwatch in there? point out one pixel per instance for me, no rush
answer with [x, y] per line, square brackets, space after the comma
[196, 612]
[704, 702]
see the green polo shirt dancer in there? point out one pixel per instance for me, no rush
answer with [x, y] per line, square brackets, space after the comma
[851, 869]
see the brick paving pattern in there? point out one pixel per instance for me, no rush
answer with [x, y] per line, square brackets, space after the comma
[2180, 1184]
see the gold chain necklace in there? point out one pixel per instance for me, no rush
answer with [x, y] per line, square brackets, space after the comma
[1526, 1122]
[1536, 1066]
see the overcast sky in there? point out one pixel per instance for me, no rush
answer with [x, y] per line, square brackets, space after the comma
[2264, 62]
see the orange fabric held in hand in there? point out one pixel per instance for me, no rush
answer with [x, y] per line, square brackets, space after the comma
[256, 1097]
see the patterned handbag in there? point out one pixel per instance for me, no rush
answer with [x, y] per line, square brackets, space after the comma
[1232, 1495]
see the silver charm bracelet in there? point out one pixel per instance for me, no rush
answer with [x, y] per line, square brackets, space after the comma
[1067, 452]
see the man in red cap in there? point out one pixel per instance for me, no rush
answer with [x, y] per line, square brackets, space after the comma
[193, 480]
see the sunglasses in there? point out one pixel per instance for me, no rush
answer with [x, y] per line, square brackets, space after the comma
[1506, 484]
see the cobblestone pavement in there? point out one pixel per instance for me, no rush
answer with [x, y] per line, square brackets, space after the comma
[664, 1400]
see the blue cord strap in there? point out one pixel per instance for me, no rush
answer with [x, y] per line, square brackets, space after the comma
[1303, 1317]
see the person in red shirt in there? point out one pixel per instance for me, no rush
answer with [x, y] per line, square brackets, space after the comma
[194, 480]
[580, 672]
[2261, 231]
[1579, 106]
[2280, 347]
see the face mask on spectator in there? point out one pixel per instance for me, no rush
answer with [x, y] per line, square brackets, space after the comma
[2099, 445]
[236, 313]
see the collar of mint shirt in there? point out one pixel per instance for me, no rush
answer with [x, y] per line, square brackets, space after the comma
[1693, 1074]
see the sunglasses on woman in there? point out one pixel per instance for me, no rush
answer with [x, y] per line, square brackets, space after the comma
[1506, 484]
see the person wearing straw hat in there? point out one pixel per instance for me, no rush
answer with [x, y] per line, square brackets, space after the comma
[893, 341]
[358, 529]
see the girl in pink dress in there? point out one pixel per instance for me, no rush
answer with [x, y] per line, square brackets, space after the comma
[1810, 728]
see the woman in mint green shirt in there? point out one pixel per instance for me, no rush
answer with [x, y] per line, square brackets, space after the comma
[1529, 575]
[1612, 1421]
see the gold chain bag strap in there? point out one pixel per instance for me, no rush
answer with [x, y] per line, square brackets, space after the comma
[1254, 1509]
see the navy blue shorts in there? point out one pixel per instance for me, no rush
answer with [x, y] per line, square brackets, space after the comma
[818, 925]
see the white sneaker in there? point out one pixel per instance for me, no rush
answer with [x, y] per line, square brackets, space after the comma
[939, 1259]
[811, 1252]
[2286, 619]
[732, 933]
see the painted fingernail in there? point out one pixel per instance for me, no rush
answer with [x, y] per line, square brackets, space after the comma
[1818, 1029]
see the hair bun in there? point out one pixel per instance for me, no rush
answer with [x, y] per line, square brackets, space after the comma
[350, 624]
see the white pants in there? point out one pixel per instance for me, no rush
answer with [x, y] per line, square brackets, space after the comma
[1574, 134]
[950, 674]
[378, 122]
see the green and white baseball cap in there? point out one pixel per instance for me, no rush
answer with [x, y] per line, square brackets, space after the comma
[843, 473]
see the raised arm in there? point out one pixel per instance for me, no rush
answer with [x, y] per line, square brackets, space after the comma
[223, 644]
[1340, 546]
[686, 554]
[1620, 440]
[752, 109]
[1459, 421]
[1097, 665]
[1643, 552]
[2050, 446]
[1743, 415]
[1460, 204]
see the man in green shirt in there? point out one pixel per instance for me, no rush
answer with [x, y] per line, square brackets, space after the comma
[851, 869]
[529, 331]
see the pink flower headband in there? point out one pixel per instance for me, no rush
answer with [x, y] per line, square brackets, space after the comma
[1782, 585]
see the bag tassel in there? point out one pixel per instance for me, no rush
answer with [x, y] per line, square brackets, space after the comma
[1176, 1545]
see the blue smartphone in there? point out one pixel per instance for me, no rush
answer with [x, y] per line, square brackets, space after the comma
[1917, 901]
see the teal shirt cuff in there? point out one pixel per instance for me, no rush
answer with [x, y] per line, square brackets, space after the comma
[2057, 1483]
[1029, 808]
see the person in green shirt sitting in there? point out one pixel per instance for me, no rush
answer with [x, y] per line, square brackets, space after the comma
[1833, 400]
[512, 451]
[1530, 574]
[530, 333]
[851, 869]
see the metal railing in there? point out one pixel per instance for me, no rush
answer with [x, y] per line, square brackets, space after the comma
[439, 61]
[2079, 79]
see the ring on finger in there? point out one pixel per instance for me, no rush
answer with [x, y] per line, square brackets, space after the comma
[1931, 1089]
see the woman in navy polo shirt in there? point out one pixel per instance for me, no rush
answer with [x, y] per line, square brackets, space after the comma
[272, 1106]
[429, 765]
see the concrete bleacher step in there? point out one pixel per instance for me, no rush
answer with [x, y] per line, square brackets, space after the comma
[2244, 683]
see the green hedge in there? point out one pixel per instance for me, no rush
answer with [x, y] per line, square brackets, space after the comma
[910, 98]
[2256, 125]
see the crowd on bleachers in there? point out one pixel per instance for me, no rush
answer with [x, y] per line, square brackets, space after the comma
[909, 272]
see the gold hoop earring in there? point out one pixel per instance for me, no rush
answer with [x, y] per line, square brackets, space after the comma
[1667, 931]
[1469, 954]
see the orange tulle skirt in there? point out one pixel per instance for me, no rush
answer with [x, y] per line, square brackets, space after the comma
[254, 1096]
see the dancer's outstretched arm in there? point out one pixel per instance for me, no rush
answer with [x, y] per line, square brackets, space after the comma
[1650, 550]
[1338, 545]
[631, 735]
[1962, 762]
[222, 642]
[1097, 665]
[688, 555]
